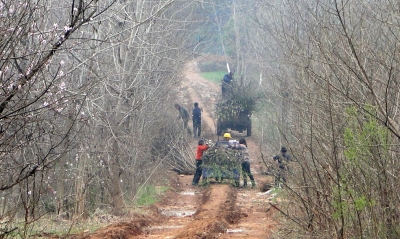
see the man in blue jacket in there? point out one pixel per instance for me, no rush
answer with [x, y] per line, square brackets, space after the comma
[196, 118]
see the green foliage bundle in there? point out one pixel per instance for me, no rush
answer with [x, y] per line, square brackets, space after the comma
[222, 161]
[241, 99]
[221, 156]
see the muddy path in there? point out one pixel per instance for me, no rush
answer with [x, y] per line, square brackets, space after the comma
[194, 88]
[216, 211]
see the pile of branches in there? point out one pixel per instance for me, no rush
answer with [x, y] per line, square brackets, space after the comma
[231, 108]
[241, 98]
[222, 157]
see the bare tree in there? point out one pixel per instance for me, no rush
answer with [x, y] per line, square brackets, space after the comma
[339, 59]
[147, 45]
[37, 111]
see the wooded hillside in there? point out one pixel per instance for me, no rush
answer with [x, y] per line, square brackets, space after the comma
[88, 87]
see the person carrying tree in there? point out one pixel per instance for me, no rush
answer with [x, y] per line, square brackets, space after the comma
[184, 115]
[196, 118]
[226, 87]
[201, 147]
[282, 161]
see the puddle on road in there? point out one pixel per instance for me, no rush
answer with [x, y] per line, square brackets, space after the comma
[189, 193]
[178, 213]
[235, 230]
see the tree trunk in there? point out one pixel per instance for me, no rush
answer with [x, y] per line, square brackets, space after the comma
[114, 186]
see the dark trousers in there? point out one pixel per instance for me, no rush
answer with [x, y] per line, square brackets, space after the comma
[226, 89]
[198, 172]
[196, 128]
[185, 126]
[246, 172]
[280, 176]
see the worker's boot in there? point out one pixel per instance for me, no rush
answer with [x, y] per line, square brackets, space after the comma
[244, 183]
[237, 183]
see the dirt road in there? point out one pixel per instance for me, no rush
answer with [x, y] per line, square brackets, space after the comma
[217, 211]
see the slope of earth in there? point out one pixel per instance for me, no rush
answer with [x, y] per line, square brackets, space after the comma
[216, 211]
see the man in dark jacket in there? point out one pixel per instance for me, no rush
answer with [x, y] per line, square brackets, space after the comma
[282, 160]
[226, 83]
[196, 118]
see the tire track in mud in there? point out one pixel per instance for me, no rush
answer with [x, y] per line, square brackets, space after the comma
[215, 210]
[214, 214]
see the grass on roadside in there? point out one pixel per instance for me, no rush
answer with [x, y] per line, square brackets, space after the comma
[149, 195]
[213, 76]
[54, 228]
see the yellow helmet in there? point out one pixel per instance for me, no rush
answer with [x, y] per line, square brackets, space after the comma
[227, 135]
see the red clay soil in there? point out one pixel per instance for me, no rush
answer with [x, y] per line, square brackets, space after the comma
[216, 211]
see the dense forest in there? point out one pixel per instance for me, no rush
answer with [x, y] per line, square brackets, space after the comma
[88, 86]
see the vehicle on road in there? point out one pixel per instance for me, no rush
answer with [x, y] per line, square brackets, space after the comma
[233, 118]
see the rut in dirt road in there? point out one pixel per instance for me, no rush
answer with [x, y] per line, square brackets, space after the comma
[213, 216]
[221, 211]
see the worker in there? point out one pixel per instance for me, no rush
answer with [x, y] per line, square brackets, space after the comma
[201, 147]
[227, 136]
[245, 163]
[196, 118]
[226, 86]
[184, 115]
[282, 160]
[232, 143]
